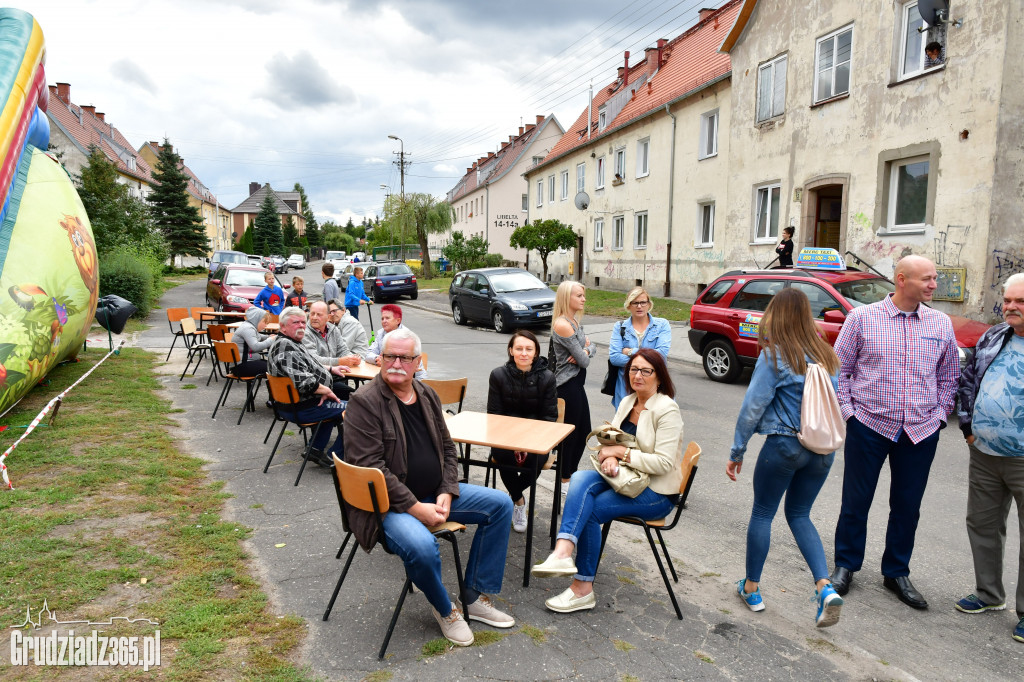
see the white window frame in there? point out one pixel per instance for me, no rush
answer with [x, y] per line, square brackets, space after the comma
[768, 236]
[599, 234]
[551, 189]
[602, 118]
[526, 202]
[705, 216]
[581, 177]
[708, 143]
[890, 210]
[618, 232]
[832, 37]
[540, 192]
[620, 163]
[933, 33]
[565, 185]
[770, 69]
[643, 157]
[599, 180]
[640, 230]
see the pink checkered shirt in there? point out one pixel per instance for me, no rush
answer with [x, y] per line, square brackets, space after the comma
[897, 372]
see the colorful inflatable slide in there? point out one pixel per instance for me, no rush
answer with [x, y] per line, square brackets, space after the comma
[49, 277]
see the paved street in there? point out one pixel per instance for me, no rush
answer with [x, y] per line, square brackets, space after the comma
[633, 630]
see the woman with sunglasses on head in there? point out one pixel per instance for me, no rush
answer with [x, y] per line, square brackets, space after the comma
[641, 330]
[650, 413]
[791, 340]
[522, 387]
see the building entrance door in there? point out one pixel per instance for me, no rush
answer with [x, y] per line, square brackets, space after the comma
[828, 214]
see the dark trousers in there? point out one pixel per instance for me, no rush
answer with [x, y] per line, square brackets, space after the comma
[577, 413]
[353, 310]
[518, 480]
[330, 413]
[909, 464]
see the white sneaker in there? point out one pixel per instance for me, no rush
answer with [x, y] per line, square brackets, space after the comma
[454, 627]
[519, 518]
[565, 491]
[483, 610]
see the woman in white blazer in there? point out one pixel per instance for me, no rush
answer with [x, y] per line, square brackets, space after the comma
[652, 415]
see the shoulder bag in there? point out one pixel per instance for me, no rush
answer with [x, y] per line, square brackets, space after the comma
[611, 377]
[628, 481]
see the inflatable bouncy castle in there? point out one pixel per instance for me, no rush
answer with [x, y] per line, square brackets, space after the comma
[49, 275]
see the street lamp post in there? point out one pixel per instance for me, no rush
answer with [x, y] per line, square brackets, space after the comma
[401, 171]
[391, 229]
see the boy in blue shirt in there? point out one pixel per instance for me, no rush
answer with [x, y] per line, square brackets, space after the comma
[354, 293]
[271, 297]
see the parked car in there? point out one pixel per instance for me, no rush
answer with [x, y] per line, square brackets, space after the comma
[343, 272]
[224, 257]
[233, 288]
[280, 263]
[297, 261]
[507, 298]
[256, 260]
[724, 318]
[385, 281]
[336, 258]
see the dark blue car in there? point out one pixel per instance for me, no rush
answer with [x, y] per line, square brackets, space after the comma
[386, 281]
[507, 298]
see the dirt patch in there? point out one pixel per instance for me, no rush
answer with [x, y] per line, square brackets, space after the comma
[127, 526]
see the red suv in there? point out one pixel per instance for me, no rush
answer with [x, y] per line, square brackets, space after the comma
[725, 316]
[233, 288]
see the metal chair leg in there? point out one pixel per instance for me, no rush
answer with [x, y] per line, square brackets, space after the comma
[341, 579]
[394, 619]
[283, 425]
[668, 559]
[308, 451]
[220, 400]
[664, 575]
[342, 548]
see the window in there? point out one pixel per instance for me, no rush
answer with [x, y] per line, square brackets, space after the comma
[708, 135]
[600, 173]
[771, 89]
[537, 159]
[717, 290]
[551, 189]
[602, 119]
[640, 233]
[908, 193]
[565, 185]
[581, 177]
[758, 294]
[767, 215]
[832, 64]
[540, 193]
[706, 224]
[821, 301]
[618, 232]
[915, 55]
[599, 234]
[643, 162]
[526, 202]
[620, 164]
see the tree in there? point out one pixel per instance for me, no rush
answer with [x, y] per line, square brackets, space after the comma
[289, 233]
[175, 217]
[423, 214]
[246, 244]
[465, 253]
[312, 228]
[267, 232]
[543, 236]
[117, 218]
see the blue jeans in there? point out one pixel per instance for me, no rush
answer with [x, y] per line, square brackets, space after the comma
[331, 412]
[591, 503]
[784, 467]
[490, 510]
[909, 464]
[353, 310]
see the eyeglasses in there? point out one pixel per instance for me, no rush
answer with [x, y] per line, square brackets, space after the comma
[642, 371]
[640, 303]
[332, 311]
[404, 359]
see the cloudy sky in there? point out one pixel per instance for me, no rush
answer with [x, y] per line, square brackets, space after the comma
[309, 90]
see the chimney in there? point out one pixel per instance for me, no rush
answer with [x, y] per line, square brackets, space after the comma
[705, 13]
[651, 60]
[253, 186]
[661, 50]
[490, 155]
[89, 108]
[625, 70]
[101, 116]
[540, 119]
[53, 90]
[529, 127]
[64, 92]
[520, 130]
[503, 145]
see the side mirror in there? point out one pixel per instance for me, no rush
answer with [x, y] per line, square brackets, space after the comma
[835, 316]
[215, 282]
[286, 286]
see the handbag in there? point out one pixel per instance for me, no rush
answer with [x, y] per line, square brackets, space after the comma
[611, 377]
[822, 428]
[628, 481]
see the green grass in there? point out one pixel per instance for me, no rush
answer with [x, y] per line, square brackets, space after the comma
[441, 283]
[622, 645]
[703, 657]
[536, 634]
[110, 518]
[609, 303]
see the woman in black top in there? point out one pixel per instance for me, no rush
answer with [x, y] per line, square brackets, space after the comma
[785, 248]
[522, 387]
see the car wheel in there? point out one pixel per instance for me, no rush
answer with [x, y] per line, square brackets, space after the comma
[375, 295]
[414, 295]
[720, 362]
[458, 315]
[500, 325]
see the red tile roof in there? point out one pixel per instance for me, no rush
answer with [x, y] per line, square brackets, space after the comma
[690, 61]
[86, 128]
[195, 186]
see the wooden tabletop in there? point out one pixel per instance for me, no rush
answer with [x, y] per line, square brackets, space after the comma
[270, 326]
[364, 370]
[213, 314]
[509, 433]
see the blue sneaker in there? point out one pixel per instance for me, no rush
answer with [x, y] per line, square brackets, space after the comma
[1018, 632]
[752, 600]
[829, 605]
[971, 604]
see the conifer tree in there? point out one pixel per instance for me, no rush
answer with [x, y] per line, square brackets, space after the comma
[312, 227]
[267, 235]
[178, 220]
[289, 233]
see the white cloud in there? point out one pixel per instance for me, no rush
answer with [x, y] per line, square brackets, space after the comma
[129, 72]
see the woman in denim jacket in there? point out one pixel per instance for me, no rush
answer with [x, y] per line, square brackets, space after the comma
[641, 330]
[790, 339]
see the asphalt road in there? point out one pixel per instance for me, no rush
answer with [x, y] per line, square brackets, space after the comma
[633, 630]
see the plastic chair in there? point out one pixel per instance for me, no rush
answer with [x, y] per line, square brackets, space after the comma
[365, 489]
[284, 397]
[175, 316]
[689, 468]
[195, 342]
[227, 354]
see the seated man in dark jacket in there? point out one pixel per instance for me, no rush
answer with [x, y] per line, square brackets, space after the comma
[396, 424]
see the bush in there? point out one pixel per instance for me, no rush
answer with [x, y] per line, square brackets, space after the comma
[493, 260]
[130, 275]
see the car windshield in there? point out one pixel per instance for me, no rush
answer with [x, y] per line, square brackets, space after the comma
[865, 291]
[245, 278]
[396, 269]
[334, 255]
[515, 281]
[233, 258]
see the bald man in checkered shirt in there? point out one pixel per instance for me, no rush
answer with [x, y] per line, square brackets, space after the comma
[898, 375]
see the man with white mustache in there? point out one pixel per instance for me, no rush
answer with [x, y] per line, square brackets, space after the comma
[992, 419]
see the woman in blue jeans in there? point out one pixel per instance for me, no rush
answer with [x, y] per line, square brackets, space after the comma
[790, 339]
[650, 413]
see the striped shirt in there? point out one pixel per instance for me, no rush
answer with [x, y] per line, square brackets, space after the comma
[898, 372]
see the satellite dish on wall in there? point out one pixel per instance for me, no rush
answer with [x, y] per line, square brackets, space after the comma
[582, 201]
[933, 11]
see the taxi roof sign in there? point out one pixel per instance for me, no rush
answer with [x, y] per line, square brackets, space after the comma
[816, 258]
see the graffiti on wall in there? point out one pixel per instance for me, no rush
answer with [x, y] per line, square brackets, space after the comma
[1004, 263]
[949, 243]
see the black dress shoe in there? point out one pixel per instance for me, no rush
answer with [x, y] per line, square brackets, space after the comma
[906, 592]
[841, 579]
[321, 458]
